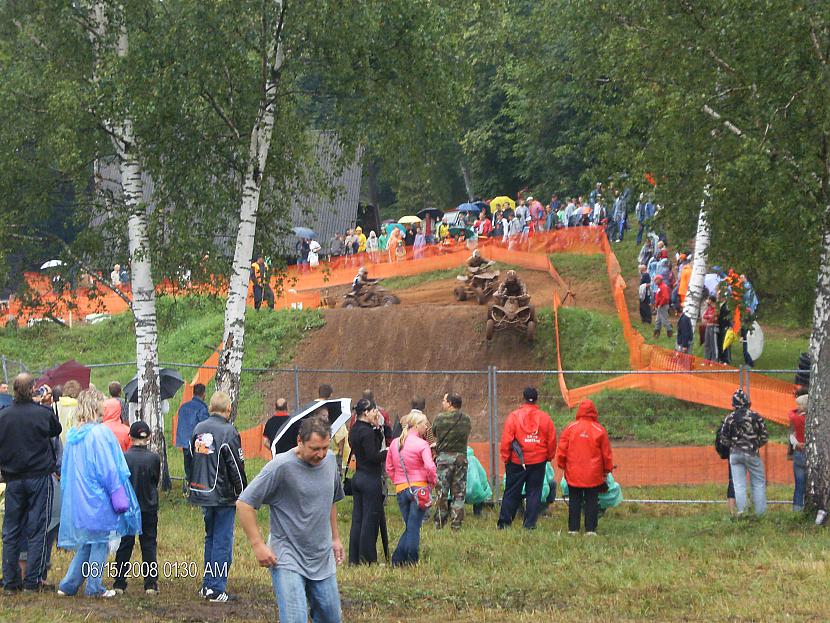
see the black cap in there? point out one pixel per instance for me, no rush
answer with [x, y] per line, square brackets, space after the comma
[140, 430]
[530, 394]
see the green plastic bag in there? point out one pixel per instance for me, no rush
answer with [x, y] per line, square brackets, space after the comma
[478, 489]
[550, 481]
[609, 499]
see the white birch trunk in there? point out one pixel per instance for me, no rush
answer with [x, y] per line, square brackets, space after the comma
[229, 370]
[817, 433]
[695, 293]
[143, 289]
[468, 185]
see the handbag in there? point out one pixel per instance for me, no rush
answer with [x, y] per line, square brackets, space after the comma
[347, 482]
[420, 494]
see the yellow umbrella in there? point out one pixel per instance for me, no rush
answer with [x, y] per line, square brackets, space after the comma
[500, 203]
[409, 220]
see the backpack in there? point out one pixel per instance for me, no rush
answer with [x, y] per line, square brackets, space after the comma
[723, 451]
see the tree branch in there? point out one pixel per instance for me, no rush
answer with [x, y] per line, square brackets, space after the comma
[218, 109]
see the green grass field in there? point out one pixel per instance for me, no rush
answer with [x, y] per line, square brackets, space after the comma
[650, 563]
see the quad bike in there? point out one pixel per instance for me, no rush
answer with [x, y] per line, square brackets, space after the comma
[516, 313]
[371, 295]
[478, 283]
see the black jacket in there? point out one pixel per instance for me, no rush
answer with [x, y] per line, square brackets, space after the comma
[366, 441]
[26, 431]
[218, 473]
[145, 470]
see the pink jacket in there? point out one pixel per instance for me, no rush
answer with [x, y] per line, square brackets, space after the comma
[418, 458]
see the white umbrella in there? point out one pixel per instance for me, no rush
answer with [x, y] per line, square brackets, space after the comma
[340, 412]
[755, 341]
[51, 264]
[409, 220]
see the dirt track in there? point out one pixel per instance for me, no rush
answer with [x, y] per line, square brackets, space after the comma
[427, 331]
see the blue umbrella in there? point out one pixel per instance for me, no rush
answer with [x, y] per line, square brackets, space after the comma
[469, 207]
[305, 232]
[392, 226]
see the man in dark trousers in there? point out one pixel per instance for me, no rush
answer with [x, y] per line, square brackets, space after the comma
[145, 469]
[218, 477]
[27, 461]
[527, 445]
[190, 414]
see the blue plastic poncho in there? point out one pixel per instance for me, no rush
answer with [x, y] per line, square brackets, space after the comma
[94, 472]
[548, 485]
[478, 489]
[609, 499]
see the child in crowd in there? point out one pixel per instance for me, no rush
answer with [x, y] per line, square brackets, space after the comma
[145, 469]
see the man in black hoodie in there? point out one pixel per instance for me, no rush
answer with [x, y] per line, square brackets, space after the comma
[27, 460]
[145, 470]
[217, 479]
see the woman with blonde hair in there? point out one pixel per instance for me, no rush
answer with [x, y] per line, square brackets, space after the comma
[410, 466]
[98, 500]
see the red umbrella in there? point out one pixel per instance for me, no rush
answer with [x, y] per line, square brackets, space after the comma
[68, 371]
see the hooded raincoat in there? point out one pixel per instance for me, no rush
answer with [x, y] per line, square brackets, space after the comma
[112, 420]
[584, 450]
[99, 503]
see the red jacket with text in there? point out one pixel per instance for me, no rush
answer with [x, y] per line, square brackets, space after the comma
[584, 450]
[534, 431]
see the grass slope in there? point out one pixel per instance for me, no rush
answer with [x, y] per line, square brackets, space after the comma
[189, 329]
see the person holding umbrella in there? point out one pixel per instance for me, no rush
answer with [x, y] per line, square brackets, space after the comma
[367, 443]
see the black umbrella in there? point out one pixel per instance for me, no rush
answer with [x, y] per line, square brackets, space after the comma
[430, 212]
[169, 383]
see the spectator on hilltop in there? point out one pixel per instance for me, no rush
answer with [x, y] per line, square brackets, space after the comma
[710, 329]
[114, 390]
[112, 419]
[644, 293]
[661, 307]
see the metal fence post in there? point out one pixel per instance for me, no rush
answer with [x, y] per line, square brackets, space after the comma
[5, 372]
[495, 437]
[492, 426]
[296, 387]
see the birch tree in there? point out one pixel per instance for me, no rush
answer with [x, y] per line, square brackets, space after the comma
[695, 293]
[233, 340]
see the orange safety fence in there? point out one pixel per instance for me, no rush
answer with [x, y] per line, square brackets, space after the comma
[676, 465]
[770, 397]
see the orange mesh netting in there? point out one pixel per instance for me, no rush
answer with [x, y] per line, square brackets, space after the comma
[770, 397]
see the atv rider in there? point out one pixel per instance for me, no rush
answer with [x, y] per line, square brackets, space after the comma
[360, 282]
[512, 286]
[476, 263]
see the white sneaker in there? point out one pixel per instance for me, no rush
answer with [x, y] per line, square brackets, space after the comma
[108, 594]
[572, 532]
[590, 534]
[61, 593]
[119, 591]
[151, 591]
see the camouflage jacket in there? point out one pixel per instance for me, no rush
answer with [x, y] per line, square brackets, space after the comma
[743, 430]
[452, 430]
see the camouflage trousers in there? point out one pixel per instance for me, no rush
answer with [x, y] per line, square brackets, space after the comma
[451, 488]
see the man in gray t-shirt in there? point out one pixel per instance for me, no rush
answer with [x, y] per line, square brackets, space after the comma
[300, 487]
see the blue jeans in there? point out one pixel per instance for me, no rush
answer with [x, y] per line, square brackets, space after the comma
[88, 564]
[406, 552]
[800, 474]
[742, 464]
[218, 546]
[295, 594]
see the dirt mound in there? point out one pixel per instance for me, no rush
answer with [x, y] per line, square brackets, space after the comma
[416, 337]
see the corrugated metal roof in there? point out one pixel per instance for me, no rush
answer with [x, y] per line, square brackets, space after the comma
[325, 214]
